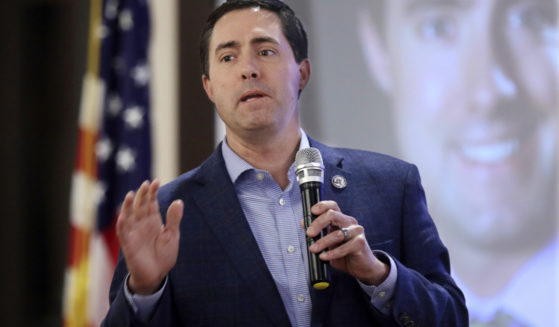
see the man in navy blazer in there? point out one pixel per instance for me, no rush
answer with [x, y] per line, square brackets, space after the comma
[210, 265]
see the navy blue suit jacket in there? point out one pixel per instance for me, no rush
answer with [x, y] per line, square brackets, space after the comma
[221, 278]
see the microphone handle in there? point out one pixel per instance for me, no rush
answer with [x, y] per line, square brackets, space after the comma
[311, 193]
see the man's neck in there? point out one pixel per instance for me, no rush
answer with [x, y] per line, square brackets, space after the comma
[274, 154]
[486, 272]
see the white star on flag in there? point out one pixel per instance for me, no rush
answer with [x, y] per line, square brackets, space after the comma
[141, 74]
[133, 117]
[103, 149]
[125, 20]
[102, 31]
[125, 159]
[100, 191]
[111, 9]
[114, 104]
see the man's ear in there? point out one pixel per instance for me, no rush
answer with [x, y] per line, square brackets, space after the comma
[304, 73]
[374, 51]
[207, 86]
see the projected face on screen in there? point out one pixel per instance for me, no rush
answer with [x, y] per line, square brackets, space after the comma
[473, 90]
[473, 86]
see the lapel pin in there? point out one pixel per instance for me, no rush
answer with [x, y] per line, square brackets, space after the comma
[339, 182]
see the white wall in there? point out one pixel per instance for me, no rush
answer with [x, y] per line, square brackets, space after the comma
[164, 62]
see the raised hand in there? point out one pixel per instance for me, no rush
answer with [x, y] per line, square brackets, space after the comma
[150, 248]
[350, 253]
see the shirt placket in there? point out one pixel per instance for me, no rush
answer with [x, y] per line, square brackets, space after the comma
[293, 259]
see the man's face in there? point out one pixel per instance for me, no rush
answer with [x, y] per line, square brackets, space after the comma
[474, 89]
[254, 79]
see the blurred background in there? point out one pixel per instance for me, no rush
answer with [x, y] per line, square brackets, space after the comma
[466, 90]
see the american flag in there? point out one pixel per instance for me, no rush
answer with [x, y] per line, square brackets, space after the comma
[114, 151]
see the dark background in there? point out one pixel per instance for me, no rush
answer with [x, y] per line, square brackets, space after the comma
[42, 63]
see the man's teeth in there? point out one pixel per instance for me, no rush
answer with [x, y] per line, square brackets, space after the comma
[251, 97]
[490, 153]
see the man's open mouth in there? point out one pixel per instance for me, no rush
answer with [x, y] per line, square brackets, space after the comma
[249, 96]
[492, 152]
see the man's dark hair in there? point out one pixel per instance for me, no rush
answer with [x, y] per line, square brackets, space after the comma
[291, 26]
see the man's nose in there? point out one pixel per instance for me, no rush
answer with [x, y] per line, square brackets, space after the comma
[491, 78]
[249, 69]
[493, 85]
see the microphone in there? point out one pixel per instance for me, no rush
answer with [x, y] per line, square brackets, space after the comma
[309, 170]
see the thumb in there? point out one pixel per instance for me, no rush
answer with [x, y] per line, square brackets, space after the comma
[174, 214]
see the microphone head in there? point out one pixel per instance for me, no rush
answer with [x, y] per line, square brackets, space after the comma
[304, 156]
[309, 166]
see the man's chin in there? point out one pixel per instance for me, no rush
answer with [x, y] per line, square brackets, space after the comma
[499, 229]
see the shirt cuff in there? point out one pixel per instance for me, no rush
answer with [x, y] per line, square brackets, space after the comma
[142, 305]
[381, 295]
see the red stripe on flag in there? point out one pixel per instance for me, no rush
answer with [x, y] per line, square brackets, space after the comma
[111, 240]
[86, 161]
[79, 245]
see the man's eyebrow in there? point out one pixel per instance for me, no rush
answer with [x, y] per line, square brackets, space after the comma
[227, 45]
[415, 5]
[263, 39]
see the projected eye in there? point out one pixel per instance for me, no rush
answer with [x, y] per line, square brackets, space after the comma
[437, 28]
[539, 21]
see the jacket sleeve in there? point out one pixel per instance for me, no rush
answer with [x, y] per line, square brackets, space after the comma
[425, 293]
[120, 311]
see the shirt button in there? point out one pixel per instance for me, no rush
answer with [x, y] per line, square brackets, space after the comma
[281, 202]
[301, 298]
[260, 176]
[381, 294]
[290, 249]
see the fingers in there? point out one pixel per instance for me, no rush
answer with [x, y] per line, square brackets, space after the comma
[356, 245]
[335, 242]
[174, 214]
[126, 209]
[350, 253]
[145, 202]
[170, 232]
[125, 216]
[153, 204]
[323, 206]
[137, 206]
[141, 199]
[329, 215]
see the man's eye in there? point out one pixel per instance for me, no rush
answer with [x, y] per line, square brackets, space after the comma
[266, 52]
[437, 28]
[226, 58]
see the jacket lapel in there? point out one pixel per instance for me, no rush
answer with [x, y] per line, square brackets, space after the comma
[225, 217]
[334, 166]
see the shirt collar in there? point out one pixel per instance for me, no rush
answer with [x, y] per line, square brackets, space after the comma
[236, 165]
